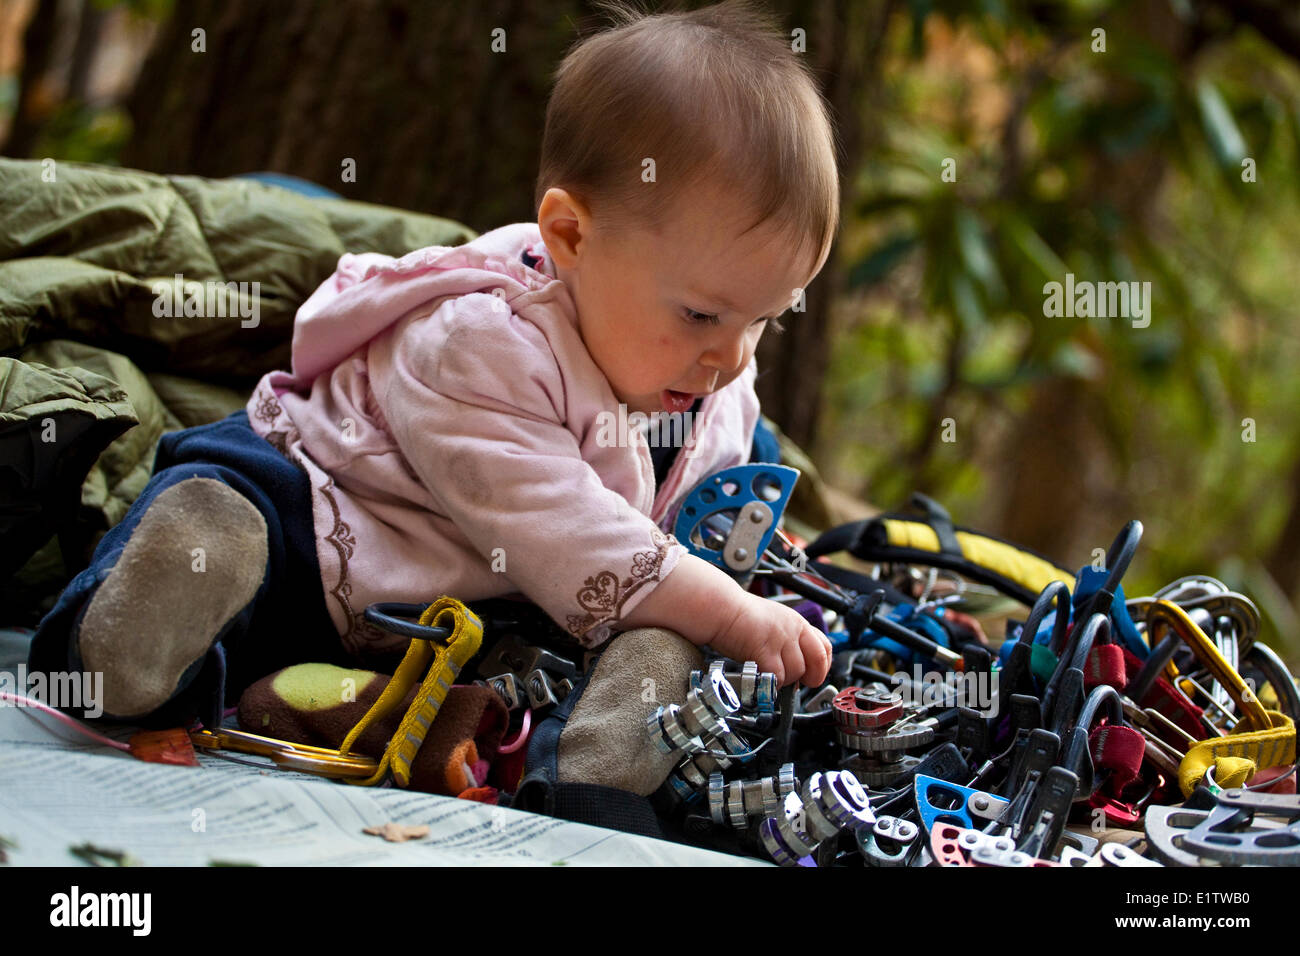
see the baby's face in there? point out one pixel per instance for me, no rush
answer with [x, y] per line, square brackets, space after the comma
[672, 316]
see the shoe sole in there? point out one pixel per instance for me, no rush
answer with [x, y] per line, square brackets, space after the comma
[164, 603]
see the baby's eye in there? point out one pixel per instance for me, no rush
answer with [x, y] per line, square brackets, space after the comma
[699, 318]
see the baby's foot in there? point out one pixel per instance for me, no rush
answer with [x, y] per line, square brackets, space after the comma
[165, 602]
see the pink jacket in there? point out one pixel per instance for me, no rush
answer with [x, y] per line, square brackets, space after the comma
[448, 417]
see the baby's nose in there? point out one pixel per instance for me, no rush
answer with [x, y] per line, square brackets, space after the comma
[726, 357]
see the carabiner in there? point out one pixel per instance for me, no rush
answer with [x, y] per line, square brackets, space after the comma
[321, 761]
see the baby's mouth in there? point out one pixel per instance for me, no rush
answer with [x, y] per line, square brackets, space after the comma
[675, 401]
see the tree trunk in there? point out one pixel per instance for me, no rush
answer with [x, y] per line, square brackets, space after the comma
[844, 38]
[411, 92]
[90, 30]
[39, 40]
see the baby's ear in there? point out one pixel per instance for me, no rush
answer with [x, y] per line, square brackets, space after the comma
[564, 222]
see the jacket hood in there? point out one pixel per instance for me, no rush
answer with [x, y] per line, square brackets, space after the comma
[369, 291]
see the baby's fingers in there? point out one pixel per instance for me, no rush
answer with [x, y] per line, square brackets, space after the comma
[816, 653]
[792, 657]
[775, 664]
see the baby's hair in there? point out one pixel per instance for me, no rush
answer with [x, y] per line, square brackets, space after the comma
[715, 94]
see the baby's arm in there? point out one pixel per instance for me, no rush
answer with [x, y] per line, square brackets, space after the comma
[704, 605]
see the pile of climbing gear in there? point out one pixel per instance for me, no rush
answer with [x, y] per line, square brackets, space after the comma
[1104, 732]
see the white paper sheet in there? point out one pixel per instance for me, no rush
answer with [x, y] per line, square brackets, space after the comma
[59, 789]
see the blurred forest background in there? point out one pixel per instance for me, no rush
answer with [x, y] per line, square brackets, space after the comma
[1152, 140]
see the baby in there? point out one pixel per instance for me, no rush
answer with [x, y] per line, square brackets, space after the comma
[443, 428]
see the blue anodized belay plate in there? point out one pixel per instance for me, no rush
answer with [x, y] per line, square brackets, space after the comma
[939, 801]
[729, 518]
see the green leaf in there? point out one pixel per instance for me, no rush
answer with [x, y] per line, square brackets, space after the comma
[974, 249]
[882, 260]
[1072, 359]
[1034, 248]
[1225, 138]
[966, 301]
[884, 202]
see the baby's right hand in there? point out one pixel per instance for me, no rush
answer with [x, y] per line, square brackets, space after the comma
[779, 639]
[704, 605]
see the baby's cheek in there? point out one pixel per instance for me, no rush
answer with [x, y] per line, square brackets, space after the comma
[655, 348]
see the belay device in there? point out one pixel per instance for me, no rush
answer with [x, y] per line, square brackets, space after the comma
[730, 517]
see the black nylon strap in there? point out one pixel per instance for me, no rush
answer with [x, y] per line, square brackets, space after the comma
[588, 803]
[842, 537]
[848, 537]
[938, 518]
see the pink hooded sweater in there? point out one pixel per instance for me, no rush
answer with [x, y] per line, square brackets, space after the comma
[456, 435]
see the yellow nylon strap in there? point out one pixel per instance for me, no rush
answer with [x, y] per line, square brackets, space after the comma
[1232, 772]
[1270, 747]
[1027, 570]
[448, 659]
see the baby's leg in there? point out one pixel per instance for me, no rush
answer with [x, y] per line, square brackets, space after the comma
[196, 559]
[208, 583]
[604, 740]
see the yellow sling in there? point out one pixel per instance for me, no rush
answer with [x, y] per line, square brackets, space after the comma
[448, 659]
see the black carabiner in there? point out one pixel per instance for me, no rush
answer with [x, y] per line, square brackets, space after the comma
[1145, 679]
[1078, 759]
[1067, 679]
[1118, 559]
[1009, 681]
[388, 616]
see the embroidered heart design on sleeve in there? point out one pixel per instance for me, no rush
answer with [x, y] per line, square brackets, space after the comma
[646, 563]
[600, 592]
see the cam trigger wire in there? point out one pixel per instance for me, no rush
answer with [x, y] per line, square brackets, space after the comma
[740, 755]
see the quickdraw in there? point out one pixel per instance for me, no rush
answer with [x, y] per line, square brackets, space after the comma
[440, 664]
[447, 636]
[1264, 737]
